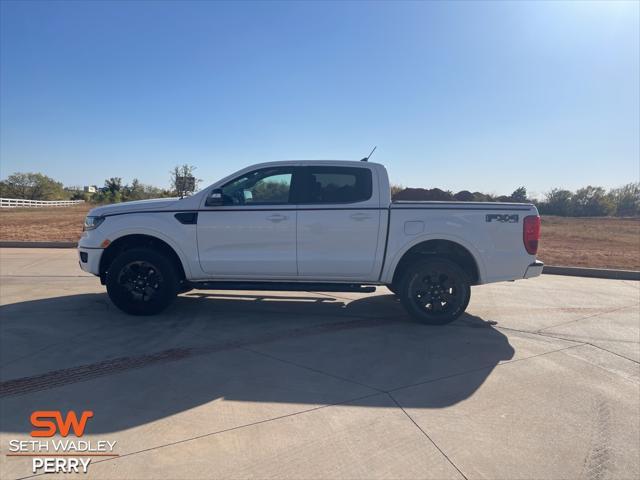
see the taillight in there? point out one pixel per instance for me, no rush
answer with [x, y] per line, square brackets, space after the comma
[531, 233]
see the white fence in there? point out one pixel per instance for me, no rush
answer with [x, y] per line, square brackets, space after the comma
[19, 202]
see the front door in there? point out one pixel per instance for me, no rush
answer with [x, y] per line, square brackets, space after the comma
[253, 233]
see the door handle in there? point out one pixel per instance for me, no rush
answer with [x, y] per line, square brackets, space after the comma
[358, 217]
[277, 218]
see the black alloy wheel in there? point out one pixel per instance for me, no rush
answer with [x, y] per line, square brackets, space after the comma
[142, 281]
[435, 291]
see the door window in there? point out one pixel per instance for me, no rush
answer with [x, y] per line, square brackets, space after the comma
[338, 185]
[270, 186]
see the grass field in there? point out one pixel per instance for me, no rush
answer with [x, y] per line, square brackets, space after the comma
[59, 224]
[591, 242]
[584, 242]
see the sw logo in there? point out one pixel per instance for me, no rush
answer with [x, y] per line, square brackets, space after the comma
[60, 455]
[50, 422]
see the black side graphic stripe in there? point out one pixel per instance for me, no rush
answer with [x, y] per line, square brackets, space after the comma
[303, 209]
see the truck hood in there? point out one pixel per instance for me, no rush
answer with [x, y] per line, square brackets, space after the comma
[136, 206]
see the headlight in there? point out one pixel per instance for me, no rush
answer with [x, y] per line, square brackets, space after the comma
[91, 223]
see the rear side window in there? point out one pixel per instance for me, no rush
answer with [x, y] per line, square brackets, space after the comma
[337, 185]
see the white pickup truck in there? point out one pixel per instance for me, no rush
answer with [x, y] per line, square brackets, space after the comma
[311, 226]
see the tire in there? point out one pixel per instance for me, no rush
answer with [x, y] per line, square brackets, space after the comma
[142, 281]
[435, 291]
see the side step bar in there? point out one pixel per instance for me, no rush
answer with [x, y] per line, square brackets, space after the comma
[284, 286]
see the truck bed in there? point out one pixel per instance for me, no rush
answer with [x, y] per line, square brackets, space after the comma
[491, 231]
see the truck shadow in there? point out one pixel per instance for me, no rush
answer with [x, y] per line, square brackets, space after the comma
[80, 353]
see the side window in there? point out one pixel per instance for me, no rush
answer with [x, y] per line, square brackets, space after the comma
[338, 185]
[261, 187]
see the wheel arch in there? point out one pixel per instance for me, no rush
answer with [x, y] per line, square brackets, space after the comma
[136, 240]
[452, 249]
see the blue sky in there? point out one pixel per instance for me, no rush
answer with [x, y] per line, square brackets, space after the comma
[460, 95]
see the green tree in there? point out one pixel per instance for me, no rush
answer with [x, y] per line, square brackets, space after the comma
[112, 192]
[77, 195]
[464, 196]
[181, 187]
[32, 186]
[626, 199]
[482, 197]
[154, 192]
[557, 202]
[135, 191]
[519, 195]
[113, 184]
[592, 202]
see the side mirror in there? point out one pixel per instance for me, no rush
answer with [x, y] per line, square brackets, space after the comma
[215, 198]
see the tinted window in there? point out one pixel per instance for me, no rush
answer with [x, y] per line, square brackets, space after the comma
[260, 187]
[338, 185]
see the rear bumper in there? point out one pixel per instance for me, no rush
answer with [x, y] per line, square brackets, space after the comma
[89, 259]
[534, 270]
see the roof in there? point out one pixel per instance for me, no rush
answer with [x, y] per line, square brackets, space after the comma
[343, 163]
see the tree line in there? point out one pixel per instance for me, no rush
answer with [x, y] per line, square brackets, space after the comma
[589, 201]
[37, 186]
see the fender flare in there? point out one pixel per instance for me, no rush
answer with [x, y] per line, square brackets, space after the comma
[150, 232]
[390, 267]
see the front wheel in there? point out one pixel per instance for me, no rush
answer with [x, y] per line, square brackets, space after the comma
[141, 281]
[435, 291]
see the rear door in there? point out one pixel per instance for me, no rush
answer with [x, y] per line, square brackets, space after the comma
[338, 224]
[253, 234]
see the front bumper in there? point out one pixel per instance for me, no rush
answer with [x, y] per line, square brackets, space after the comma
[534, 270]
[89, 259]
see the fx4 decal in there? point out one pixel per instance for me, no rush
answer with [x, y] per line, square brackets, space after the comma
[502, 218]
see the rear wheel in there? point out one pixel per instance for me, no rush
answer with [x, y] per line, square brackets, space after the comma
[141, 281]
[435, 291]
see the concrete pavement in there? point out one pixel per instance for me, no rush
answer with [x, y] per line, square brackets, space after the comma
[539, 380]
